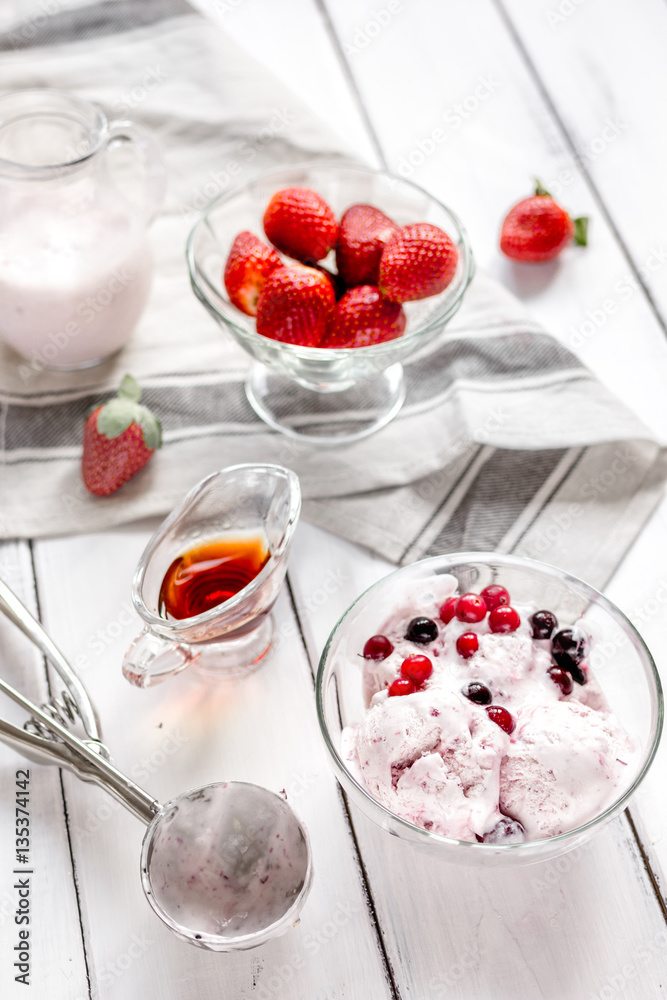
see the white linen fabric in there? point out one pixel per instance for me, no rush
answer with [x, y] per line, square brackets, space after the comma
[505, 442]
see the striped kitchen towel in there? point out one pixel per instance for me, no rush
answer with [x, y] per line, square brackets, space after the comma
[505, 441]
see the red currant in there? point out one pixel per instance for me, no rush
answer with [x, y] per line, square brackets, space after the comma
[504, 619]
[501, 717]
[495, 595]
[470, 608]
[378, 647]
[401, 686]
[467, 645]
[562, 679]
[448, 610]
[417, 668]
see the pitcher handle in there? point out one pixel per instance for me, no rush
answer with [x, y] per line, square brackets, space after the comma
[150, 659]
[148, 153]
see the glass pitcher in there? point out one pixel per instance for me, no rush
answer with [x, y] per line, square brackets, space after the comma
[243, 505]
[75, 262]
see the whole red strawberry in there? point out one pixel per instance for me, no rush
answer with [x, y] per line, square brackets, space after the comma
[295, 306]
[249, 264]
[418, 261]
[538, 229]
[364, 317]
[364, 231]
[118, 439]
[299, 223]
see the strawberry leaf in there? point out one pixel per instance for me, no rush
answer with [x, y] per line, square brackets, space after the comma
[129, 388]
[581, 231]
[116, 416]
[151, 427]
[540, 189]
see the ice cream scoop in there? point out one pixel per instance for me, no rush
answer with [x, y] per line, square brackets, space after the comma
[225, 866]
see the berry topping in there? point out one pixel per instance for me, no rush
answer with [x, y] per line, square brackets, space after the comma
[378, 647]
[448, 610]
[295, 306]
[495, 595]
[364, 317]
[477, 692]
[569, 649]
[401, 686]
[364, 230]
[502, 718]
[506, 831]
[418, 261]
[417, 668]
[504, 619]
[562, 679]
[543, 624]
[422, 631]
[470, 608]
[467, 644]
[299, 222]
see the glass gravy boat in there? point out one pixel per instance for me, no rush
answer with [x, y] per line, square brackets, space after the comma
[243, 502]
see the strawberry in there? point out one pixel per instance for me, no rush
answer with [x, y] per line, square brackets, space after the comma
[299, 222]
[418, 261]
[363, 232]
[249, 264]
[118, 439]
[364, 317]
[295, 306]
[538, 229]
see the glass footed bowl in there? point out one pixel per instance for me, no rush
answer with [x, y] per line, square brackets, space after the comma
[619, 660]
[321, 394]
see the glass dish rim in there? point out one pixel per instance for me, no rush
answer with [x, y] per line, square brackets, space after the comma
[178, 625]
[452, 559]
[16, 169]
[323, 354]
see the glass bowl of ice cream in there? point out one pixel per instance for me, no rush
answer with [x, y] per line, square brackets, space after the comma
[328, 393]
[490, 707]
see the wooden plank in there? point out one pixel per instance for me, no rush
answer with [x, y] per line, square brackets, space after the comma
[615, 57]
[178, 736]
[295, 47]
[640, 589]
[57, 962]
[457, 111]
[574, 927]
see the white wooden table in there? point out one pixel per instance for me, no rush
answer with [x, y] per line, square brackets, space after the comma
[470, 100]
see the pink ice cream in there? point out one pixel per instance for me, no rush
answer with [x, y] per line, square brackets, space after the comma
[436, 758]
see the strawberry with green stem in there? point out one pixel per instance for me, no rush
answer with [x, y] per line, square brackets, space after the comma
[119, 438]
[537, 229]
